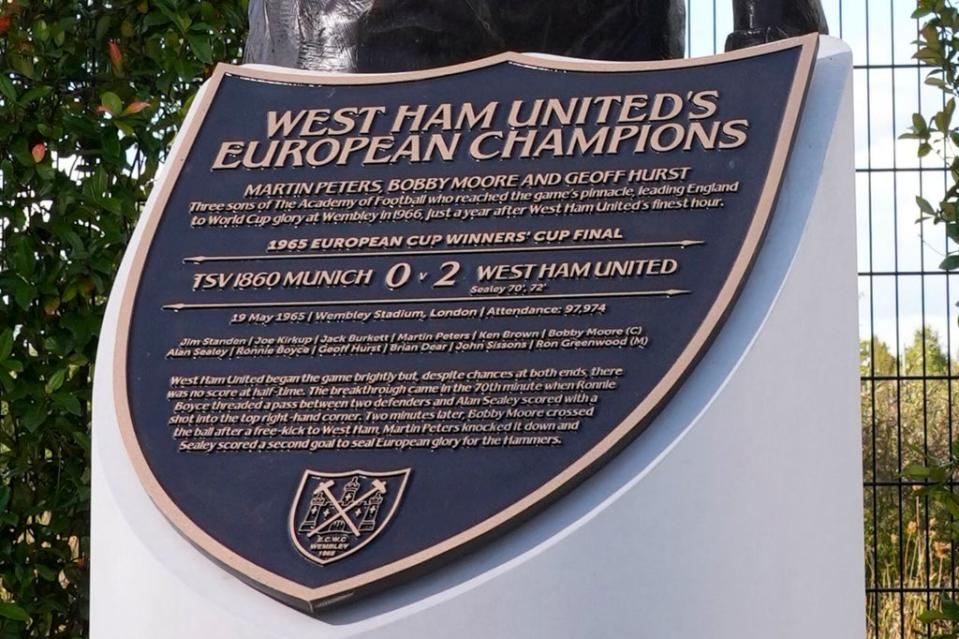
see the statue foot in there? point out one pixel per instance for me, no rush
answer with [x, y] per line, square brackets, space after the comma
[752, 37]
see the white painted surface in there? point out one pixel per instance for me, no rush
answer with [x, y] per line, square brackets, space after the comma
[737, 514]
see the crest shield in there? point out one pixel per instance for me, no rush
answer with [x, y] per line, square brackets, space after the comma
[475, 283]
[336, 514]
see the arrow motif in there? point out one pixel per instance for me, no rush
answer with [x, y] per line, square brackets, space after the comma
[672, 292]
[202, 259]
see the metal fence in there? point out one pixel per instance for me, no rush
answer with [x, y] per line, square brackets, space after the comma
[907, 315]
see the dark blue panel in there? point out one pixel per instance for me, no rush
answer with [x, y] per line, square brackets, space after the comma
[244, 499]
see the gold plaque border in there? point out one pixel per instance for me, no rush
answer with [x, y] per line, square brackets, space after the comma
[311, 599]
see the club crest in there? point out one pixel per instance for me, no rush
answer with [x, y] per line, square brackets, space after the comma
[336, 514]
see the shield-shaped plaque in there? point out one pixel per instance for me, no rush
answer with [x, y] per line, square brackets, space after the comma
[362, 303]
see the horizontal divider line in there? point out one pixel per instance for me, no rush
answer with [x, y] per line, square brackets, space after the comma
[200, 259]
[424, 300]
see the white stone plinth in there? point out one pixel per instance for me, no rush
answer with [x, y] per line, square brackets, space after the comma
[736, 515]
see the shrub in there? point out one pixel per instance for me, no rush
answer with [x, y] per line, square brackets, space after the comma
[91, 94]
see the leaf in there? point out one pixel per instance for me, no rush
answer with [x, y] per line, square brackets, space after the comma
[35, 93]
[135, 107]
[950, 609]
[103, 26]
[79, 125]
[46, 573]
[21, 151]
[7, 88]
[6, 344]
[41, 31]
[950, 505]
[916, 471]
[6, 381]
[14, 612]
[200, 45]
[13, 365]
[924, 206]
[46, 172]
[112, 152]
[185, 109]
[22, 64]
[948, 212]
[124, 127]
[116, 54]
[111, 102]
[39, 151]
[34, 418]
[100, 182]
[56, 380]
[82, 439]
[929, 616]
[951, 263]
[155, 19]
[50, 306]
[23, 294]
[112, 205]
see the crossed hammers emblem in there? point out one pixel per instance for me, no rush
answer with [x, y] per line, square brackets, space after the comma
[342, 512]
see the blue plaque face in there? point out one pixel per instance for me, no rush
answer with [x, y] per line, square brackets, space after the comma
[374, 320]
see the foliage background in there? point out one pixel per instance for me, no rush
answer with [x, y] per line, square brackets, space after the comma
[91, 93]
[901, 420]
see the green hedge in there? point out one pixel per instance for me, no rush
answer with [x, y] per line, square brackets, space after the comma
[91, 94]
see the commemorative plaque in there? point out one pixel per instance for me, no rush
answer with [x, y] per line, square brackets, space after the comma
[375, 320]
